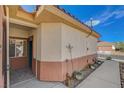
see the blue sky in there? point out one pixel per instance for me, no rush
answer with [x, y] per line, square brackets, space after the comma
[107, 20]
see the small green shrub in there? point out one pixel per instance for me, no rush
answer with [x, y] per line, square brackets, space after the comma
[108, 58]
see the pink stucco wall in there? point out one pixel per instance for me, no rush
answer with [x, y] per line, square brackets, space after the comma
[56, 71]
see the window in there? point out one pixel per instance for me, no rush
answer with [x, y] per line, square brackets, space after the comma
[17, 48]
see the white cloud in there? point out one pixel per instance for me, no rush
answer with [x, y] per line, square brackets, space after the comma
[106, 15]
[119, 14]
[116, 14]
[107, 24]
[94, 22]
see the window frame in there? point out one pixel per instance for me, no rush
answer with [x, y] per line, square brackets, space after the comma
[18, 38]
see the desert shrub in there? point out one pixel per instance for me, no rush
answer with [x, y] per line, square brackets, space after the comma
[108, 58]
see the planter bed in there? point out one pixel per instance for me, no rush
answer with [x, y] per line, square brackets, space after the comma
[121, 66]
[86, 72]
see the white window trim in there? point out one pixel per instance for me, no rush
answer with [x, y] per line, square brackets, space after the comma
[15, 49]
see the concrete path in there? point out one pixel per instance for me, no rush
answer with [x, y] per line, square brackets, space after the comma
[106, 76]
[34, 83]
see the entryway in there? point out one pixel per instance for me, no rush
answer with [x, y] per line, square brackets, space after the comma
[20, 70]
[20, 53]
[20, 75]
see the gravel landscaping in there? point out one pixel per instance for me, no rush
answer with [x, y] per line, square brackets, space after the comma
[79, 76]
[121, 65]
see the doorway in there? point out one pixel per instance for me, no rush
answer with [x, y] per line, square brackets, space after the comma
[22, 65]
[30, 51]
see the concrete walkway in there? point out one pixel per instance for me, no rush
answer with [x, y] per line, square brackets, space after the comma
[106, 76]
[34, 83]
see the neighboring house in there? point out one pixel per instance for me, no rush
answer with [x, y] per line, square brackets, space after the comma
[48, 40]
[105, 47]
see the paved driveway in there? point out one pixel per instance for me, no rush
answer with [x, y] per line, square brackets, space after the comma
[106, 76]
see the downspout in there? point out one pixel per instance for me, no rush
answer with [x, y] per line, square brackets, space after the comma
[7, 46]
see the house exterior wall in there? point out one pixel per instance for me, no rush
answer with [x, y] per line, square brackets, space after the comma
[51, 42]
[80, 56]
[37, 50]
[16, 32]
[1, 36]
[53, 60]
[18, 62]
[78, 41]
[48, 52]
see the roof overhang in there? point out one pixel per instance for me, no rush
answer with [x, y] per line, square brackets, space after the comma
[48, 13]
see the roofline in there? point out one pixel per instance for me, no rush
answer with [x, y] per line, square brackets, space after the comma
[63, 10]
[64, 16]
[67, 17]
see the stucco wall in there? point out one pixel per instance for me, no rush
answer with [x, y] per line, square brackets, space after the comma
[16, 32]
[78, 41]
[53, 38]
[51, 42]
[34, 34]
[92, 45]
[38, 38]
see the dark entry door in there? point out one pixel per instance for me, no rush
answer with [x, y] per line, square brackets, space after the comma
[30, 51]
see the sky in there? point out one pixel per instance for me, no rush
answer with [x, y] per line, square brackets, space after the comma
[106, 20]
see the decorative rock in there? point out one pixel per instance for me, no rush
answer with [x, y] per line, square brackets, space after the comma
[123, 76]
[92, 67]
[99, 62]
[79, 77]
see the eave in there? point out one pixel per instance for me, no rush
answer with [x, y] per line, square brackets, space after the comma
[48, 13]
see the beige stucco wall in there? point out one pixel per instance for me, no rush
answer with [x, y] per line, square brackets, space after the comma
[51, 42]
[17, 32]
[78, 41]
[54, 37]
[92, 45]
[51, 39]
[38, 46]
